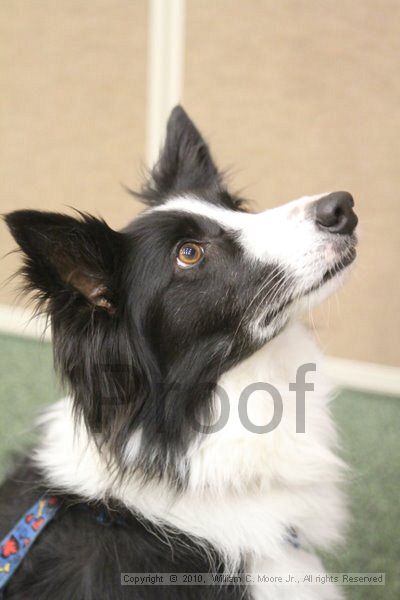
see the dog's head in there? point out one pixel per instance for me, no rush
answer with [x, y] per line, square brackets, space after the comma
[147, 319]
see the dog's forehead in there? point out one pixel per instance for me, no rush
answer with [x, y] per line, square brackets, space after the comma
[246, 227]
[231, 218]
[227, 218]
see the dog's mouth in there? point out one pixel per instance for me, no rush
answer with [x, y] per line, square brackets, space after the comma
[347, 257]
[339, 266]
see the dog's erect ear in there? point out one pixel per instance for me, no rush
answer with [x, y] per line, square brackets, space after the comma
[62, 254]
[184, 164]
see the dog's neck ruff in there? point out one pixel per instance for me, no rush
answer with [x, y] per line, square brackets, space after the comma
[241, 484]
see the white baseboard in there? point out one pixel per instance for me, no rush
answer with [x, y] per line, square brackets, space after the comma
[15, 320]
[364, 376]
[353, 374]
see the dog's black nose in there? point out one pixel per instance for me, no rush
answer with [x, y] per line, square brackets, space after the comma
[335, 213]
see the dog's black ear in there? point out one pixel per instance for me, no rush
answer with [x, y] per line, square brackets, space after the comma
[65, 256]
[185, 163]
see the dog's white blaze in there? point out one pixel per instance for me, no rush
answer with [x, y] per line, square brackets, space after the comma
[285, 235]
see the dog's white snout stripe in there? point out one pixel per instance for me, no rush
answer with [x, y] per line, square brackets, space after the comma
[283, 235]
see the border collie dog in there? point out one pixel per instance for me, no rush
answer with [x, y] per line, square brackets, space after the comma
[175, 336]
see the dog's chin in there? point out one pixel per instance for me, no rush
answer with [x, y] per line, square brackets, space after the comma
[339, 267]
[327, 283]
[331, 280]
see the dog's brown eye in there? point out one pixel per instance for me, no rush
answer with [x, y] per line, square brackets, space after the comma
[189, 254]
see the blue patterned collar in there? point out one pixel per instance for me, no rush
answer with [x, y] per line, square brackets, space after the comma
[17, 543]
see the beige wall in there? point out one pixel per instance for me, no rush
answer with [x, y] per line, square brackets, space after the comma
[72, 105]
[303, 96]
[298, 96]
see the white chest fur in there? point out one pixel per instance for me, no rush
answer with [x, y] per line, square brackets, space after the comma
[245, 489]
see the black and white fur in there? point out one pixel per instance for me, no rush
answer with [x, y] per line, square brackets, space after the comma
[144, 346]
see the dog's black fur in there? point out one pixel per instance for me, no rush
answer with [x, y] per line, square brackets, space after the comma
[132, 361]
[127, 324]
[80, 557]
